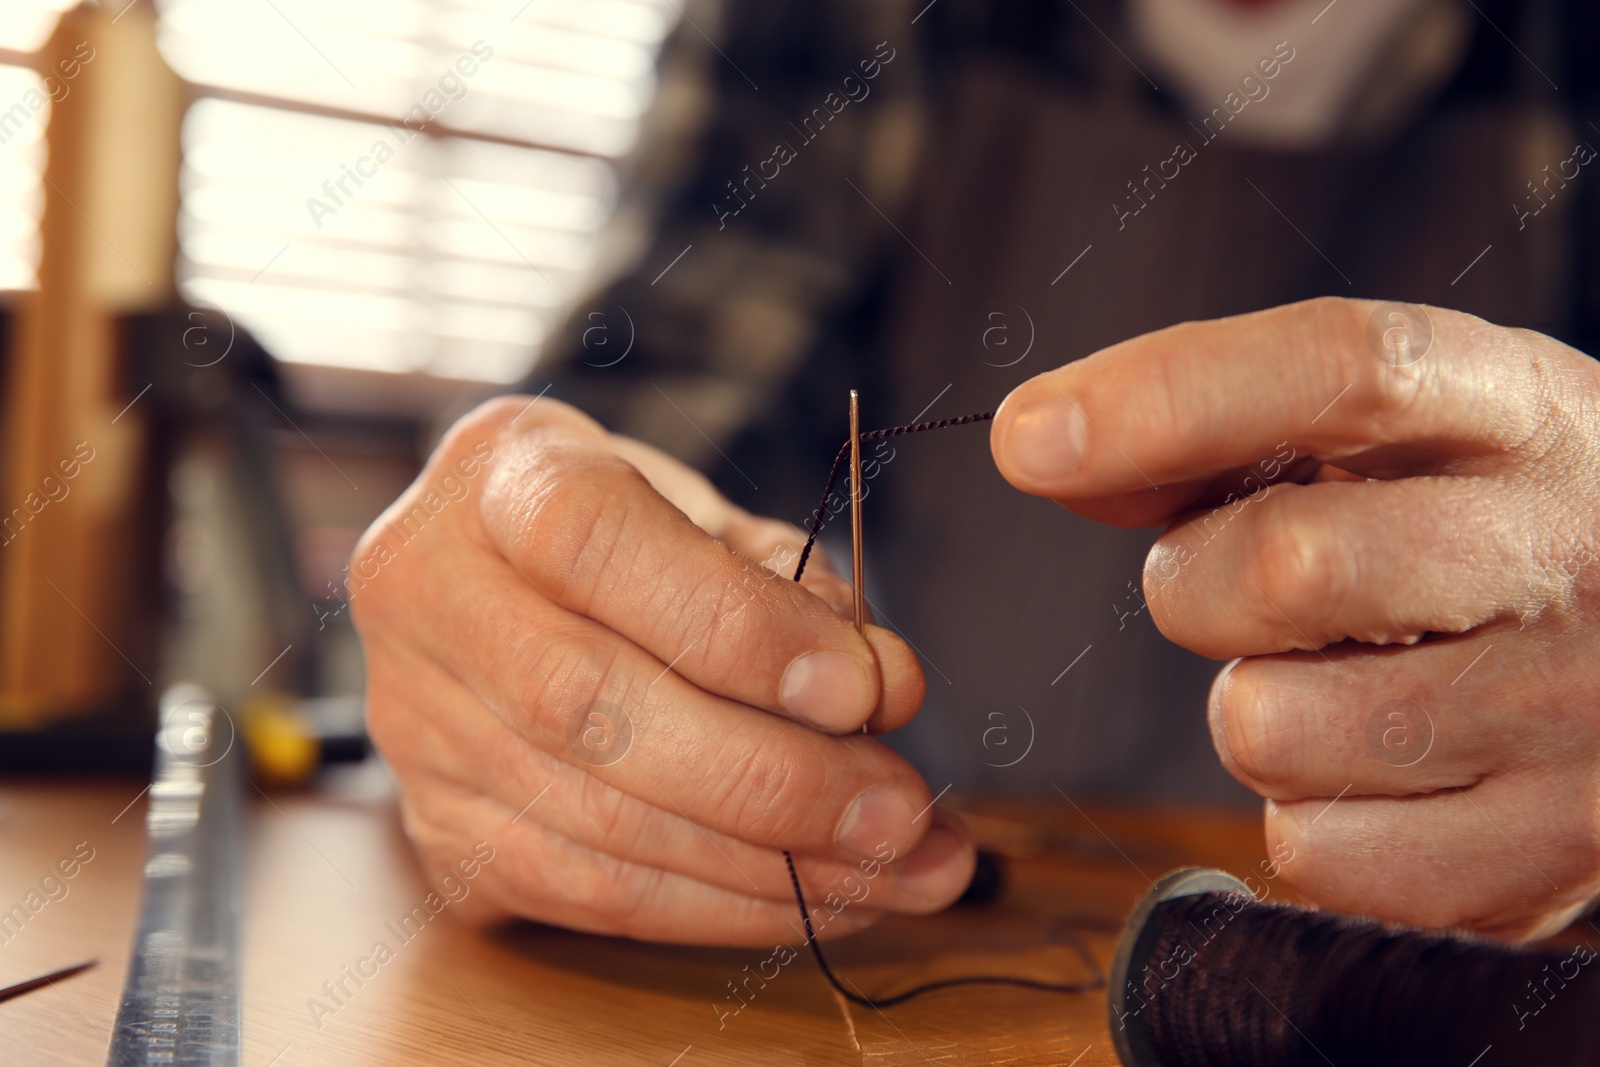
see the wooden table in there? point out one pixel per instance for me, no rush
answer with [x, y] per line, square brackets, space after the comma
[328, 869]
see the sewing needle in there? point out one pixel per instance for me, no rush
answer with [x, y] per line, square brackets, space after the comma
[856, 572]
[29, 985]
[855, 511]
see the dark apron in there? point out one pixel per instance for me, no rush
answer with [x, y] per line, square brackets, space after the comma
[1002, 592]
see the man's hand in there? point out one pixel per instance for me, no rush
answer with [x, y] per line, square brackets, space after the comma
[1397, 531]
[575, 656]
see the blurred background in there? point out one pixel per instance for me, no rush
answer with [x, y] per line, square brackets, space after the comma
[395, 200]
[256, 254]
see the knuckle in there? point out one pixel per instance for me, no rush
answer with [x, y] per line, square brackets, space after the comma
[576, 529]
[552, 878]
[625, 897]
[731, 612]
[439, 818]
[1341, 356]
[1330, 314]
[574, 885]
[608, 814]
[1389, 395]
[1559, 387]
[401, 550]
[771, 792]
[559, 672]
[514, 413]
[1171, 396]
[1300, 566]
[604, 893]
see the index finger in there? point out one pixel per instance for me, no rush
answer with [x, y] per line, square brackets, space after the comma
[1162, 414]
[587, 530]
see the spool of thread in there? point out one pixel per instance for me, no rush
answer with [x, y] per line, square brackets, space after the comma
[1207, 976]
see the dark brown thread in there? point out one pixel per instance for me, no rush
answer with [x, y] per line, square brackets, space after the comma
[818, 520]
[1237, 981]
[818, 517]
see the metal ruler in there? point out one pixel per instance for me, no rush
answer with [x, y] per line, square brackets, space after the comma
[180, 1003]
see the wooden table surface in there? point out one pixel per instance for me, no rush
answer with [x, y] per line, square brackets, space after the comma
[329, 873]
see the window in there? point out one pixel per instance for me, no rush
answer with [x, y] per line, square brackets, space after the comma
[403, 189]
[409, 187]
[21, 168]
[24, 110]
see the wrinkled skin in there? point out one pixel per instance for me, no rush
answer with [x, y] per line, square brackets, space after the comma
[1401, 557]
[554, 565]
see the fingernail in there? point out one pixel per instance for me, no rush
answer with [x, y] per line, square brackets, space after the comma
[1044, 440]
[829, 690]
[930, 875]
[1215, 719]
[880, 816]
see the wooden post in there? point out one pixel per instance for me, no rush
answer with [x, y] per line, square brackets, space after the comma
[75, 631]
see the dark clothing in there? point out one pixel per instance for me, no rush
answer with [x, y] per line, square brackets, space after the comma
[1010, 181]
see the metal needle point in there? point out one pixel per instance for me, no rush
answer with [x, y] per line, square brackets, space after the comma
[16, 989]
